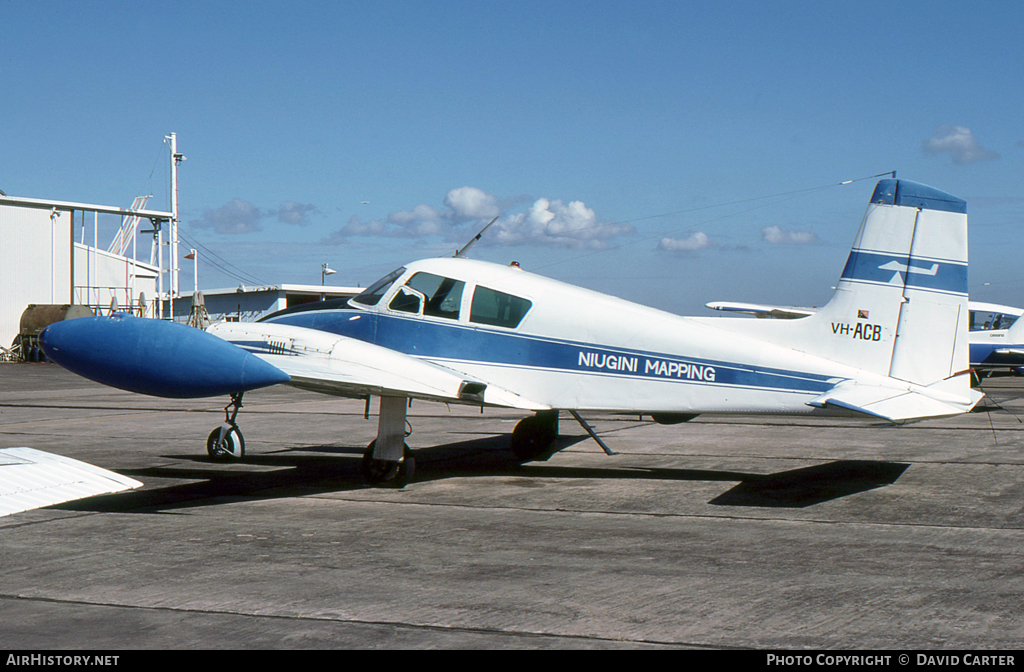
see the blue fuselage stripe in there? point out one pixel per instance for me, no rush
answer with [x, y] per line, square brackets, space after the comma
[985, 354]
[453, 342]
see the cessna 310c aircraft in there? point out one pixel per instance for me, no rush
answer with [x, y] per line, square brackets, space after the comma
[891, 344]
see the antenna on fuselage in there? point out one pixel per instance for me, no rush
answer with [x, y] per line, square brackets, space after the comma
[472, 242]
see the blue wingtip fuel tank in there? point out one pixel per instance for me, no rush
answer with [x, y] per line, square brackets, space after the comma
[155, 357]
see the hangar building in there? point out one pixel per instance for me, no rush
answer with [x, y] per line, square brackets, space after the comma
[42, 263]
[248, 304]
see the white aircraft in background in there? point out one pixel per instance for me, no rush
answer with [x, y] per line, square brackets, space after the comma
[891, 344]
[996, 335]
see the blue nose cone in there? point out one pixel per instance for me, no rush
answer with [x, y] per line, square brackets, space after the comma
[154, 357]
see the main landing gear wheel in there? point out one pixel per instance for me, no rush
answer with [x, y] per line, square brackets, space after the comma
[227, 448]
[534, 437]
[388, 471]
[225, 443]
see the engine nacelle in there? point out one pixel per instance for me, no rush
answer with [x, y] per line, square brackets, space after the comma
[155, 357]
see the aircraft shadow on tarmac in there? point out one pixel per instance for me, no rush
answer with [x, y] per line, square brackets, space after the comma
[308, 470]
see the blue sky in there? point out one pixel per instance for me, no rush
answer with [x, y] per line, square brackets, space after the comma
[672, 153]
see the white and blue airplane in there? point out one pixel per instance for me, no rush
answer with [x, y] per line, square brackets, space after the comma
[996, 337]
[891, 344]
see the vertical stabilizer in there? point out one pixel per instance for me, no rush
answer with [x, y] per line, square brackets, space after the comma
[900, 307]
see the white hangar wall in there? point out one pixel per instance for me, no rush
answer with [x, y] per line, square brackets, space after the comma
[35, 263]
[104, 279]
[40, 263]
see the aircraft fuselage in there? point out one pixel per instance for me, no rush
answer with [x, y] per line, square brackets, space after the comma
[583, 350]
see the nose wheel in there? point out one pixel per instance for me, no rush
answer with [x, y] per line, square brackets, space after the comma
[225, 443]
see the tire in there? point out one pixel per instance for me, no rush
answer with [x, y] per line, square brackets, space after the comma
[534, 437]
[388, 471]
[229, 449]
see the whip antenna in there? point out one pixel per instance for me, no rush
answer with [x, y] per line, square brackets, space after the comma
[472, 242]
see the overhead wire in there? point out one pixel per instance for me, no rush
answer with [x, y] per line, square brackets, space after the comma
[779, 198]
[224, 266]
[794, 193]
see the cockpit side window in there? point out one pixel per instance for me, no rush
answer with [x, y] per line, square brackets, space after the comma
[983, 320]
[498, 309]
[444, 295]
[371, 295]
[406, 300]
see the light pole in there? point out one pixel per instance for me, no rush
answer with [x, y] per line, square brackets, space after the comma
[325, 270]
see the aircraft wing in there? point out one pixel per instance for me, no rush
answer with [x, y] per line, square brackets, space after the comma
[761, 310]
[31, 479]
[897, 404]
[334, 364]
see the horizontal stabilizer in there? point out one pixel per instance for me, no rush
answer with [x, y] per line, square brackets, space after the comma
[761, 310]
[898, 404]
[30, 479]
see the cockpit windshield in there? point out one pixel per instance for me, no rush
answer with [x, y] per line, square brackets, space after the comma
[372, 294]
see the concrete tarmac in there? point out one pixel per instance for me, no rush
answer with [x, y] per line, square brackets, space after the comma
[724, 532]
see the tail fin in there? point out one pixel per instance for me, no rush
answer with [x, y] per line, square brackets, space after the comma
[899, 312]
[900, 307]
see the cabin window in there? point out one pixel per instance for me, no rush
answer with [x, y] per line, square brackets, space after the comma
[444, 295]
[497, 308]
[984, 320]
[371, 295]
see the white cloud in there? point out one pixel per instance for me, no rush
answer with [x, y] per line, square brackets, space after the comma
[235, 216]
[777, 236]
[357, 227]
[959, 143]
[546, 222]
[550, 222]
[419, 214]
[239, 216]
[422, 220]
[692, 243]
[468, 203]
[291, 212]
